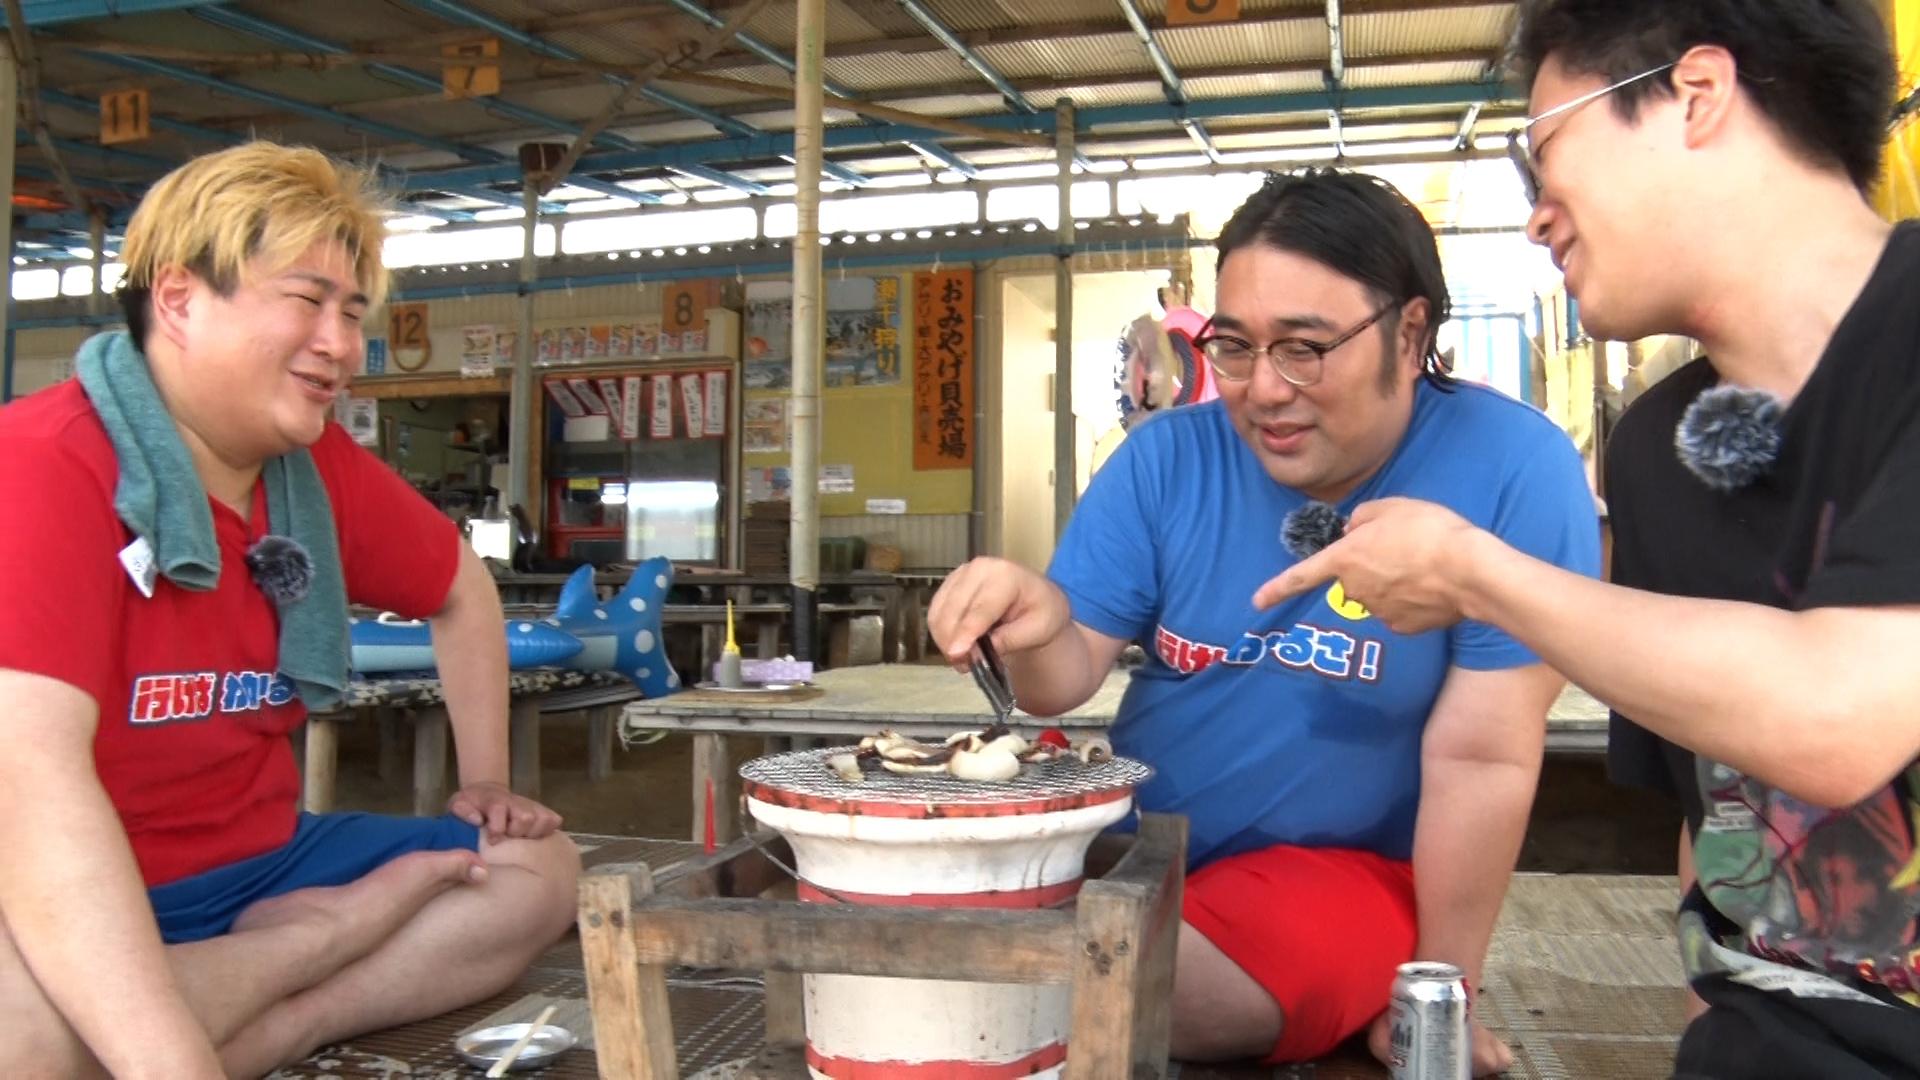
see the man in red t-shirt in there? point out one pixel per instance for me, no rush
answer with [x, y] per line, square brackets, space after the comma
[165, 910]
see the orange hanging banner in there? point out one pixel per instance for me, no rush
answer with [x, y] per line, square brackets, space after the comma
[943, 370]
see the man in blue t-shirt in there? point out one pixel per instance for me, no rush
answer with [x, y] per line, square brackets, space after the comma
[1357, 797]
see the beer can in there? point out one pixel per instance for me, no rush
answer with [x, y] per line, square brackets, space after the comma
[1430, 1039]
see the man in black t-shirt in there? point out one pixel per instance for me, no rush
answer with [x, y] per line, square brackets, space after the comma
[1700, 169]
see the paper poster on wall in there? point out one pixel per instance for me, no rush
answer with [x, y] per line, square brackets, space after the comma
[863, 344]
[362, 420]
[661, 424]
[597, 341]
[548, 351]
[694, 410]
[620, 341]
[763, 429]
[565, 399]
[583, 389]
[477, 347]
[886, 506]
[836, 479]
[646, 338]
[504, 343]
[716, 421]
[630, 394]
[376, 356]
[770, 484]
[943, 370]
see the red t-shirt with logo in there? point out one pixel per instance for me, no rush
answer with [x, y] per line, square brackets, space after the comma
[192, 744]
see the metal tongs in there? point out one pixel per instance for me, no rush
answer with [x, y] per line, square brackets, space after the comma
[991, 676]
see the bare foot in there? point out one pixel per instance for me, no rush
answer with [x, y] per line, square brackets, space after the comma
[351, 920]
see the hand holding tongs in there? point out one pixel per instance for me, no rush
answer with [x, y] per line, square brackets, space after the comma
[991, 676]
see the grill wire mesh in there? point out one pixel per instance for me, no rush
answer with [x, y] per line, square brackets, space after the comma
[806, 772]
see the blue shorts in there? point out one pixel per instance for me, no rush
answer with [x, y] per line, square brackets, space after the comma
[326, 849]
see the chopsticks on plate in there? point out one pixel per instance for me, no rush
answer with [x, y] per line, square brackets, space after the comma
[513, 1052]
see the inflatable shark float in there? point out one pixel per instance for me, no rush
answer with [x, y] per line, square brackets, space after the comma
[583, 634]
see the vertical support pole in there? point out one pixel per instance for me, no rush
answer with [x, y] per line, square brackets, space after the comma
[9, 108]
[521, 402]
[97, 243]
[1065, 459]
[809, 327]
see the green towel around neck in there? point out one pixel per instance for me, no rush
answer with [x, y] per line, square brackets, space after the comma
[160, 498]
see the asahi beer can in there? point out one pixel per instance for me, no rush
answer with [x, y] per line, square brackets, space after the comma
[1430, 1039]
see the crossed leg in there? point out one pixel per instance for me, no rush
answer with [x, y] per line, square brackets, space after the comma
[412, 939]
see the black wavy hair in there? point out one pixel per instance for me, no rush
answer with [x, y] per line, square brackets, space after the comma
[1821, 70]
[1358, 226]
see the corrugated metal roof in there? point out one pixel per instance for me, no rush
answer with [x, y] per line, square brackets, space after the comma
[1415, 74]
[1096, 55]
[1082, 48]
[1135, 93]
[882, 70]
[962, 15]
[1217, 46]
[1443, 30]
[1295, 82]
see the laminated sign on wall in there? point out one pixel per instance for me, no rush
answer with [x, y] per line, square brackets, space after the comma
[696, 412]
[630, 407]
[583, 389]
[565, 399]
[662, 422]
[716, 421]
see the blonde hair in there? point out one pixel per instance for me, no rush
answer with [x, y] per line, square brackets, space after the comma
[218, 213]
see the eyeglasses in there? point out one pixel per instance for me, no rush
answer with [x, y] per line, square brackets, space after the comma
[1520, 149]
[1297, 360]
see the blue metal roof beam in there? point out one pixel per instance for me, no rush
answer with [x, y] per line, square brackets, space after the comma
[55, 12]
[947, 37]
[785, 63]
[1170, 84]
[849, 136]
[927, 148]
[454, 12]
[267, 30]
[118, 187]
[228, 138]
[331, 116]
[294, 105]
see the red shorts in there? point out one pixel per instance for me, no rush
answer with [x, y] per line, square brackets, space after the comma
[1322, 930]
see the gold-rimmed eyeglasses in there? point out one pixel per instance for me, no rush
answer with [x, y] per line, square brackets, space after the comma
[1519, 145]
[1300, 361]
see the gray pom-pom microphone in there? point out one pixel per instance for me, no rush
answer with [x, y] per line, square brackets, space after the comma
[1730, 436]
[282, 568]
[1310, 527]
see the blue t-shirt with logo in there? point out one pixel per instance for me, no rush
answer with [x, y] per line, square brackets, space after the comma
[1301, 724]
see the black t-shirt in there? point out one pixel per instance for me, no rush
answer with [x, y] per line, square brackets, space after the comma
[1835, 523]
[1826, 900]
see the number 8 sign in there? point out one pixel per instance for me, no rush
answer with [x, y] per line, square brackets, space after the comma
[1184, 12]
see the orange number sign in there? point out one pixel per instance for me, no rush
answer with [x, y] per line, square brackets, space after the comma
[408, 341]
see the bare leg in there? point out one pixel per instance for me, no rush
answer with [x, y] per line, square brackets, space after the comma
[1219, 1012]
[463, 946]
[282, 947]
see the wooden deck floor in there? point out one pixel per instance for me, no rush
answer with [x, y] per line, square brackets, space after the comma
[1583, 980]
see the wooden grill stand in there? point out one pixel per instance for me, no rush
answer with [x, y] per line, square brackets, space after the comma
[1114, 946]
